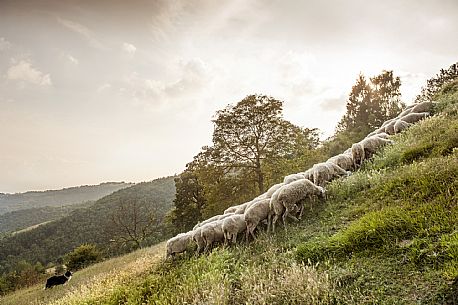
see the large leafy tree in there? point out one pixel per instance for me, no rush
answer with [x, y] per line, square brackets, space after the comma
[371, 102]
[253, 147]
[248, 134]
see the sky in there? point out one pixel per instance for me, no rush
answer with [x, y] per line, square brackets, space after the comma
[113, 90]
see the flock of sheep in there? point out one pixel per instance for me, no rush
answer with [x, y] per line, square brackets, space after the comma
[286, 199]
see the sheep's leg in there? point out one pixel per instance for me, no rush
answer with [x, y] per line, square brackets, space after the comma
[274, 220]
[234, 238]
[252, 232]
[301, 210]
[269, 221]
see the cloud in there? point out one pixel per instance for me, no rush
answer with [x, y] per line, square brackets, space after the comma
[191, 76]
[83, 31]
[333, 103]
[23, 71]
[129, 48]
[4, 44]
[72, 59]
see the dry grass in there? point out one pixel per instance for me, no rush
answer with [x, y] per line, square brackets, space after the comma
[91, 283]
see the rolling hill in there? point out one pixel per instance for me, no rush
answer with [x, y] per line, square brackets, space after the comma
[91, 224]
[58, 198]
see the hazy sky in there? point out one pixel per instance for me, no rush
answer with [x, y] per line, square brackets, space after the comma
[94, 91]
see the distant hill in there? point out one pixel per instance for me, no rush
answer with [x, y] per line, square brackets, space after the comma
[21, 219]
[48, 242]
[57, 198]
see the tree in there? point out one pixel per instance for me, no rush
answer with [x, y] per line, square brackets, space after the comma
[132, 221]
[370, 103]
[249, 133]
[434, 84]
[82, 256]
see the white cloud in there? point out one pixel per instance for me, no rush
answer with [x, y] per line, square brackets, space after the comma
[23, 71]
[83, 31]
[4, 44]
[129, 48]
[72, 59]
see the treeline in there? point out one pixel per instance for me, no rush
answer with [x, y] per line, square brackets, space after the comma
[254, 147]
[58, 198]
[118, 223]
[22, 219]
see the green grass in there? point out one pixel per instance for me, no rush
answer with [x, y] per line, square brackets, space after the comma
[388, 234]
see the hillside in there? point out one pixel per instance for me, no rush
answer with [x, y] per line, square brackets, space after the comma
[92, 224]
[58, 198]
[21, 219]
[385, 235]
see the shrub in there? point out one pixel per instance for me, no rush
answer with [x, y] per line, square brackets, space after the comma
[82, 256]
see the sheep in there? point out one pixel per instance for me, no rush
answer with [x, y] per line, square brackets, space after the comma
[255, 214]
[372, 144]
[325, 171]
[400, 126]
[211, 233]
[389, 128]
[212, 219]
[272, 189]
[178, 244]
[276, 209]
[232, 226]
[406, 111]
[290, 195]
[197, 238]
[414, 117]
[422, 107]
[293, 177]
[344, 161]
[357, 151]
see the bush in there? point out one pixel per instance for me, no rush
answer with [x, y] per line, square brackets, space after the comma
[82, 256]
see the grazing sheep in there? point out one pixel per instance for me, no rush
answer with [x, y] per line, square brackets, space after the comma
[344, 161]
[212, 233]
[422, 107]
[293, 193]
[276, 209]
[400, 126]
[232, 226]
[197, 238]
[372, 144]
[272, 189]
[293, 177]
[389, 128]
[387, 122]
[325, 172]
[255, 214]
[212, 219]
[406, 111]
[414, 117]
[357, 152]
[178, 244]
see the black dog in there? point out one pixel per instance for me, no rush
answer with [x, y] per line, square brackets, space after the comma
[58, 280]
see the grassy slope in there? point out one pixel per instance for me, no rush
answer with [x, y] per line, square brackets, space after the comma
[386, 235]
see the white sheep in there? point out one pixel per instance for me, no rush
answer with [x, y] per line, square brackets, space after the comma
[232, 226]
[293, 177]
[272, 189]
[357, 151]
[389, 128]
[422, 107]
[414, 117]
[256, 213]
[197, 238]
[372, 144]
[344, 161]
[178, 244]
[212, 219]
[325, 172]
[212, 233]
[276, 209]
[400, 126]
[292, 194]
